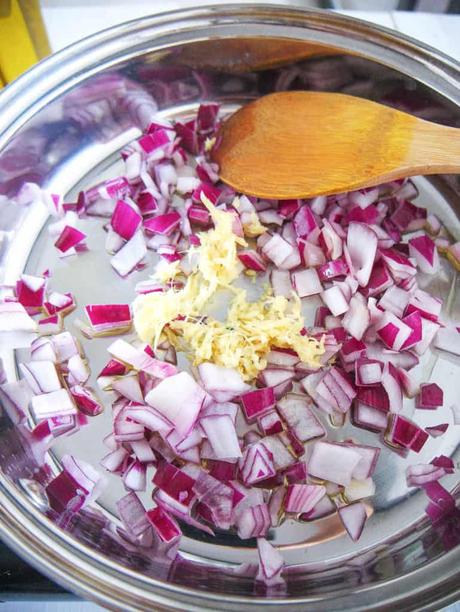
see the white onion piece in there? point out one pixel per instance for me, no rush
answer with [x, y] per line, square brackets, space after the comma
[335, 300]
[85, 475]
[41, 376]
[221, 433]
[129, 387]
[333, 462]
[222, 383]
[306, 282]
[362, 246]
[179, 398]
[271, 562]
[353, 518]
[130, 255]
[296, 412]
[55, 403]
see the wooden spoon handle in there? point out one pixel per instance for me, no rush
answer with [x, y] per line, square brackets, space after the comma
[435, 149]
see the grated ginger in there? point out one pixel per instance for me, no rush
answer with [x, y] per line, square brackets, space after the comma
[244, 339]
[251, 328]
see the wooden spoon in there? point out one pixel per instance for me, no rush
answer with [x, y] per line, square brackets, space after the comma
[300, 144]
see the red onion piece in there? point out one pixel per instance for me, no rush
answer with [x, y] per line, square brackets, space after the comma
[402, 432]
[437, 430]
[369, 457]
[115, 459]
[368, 372]
[16, 396]
[165, 527]
[421, 474]
[140, 360]
[256, 464]
[281, 283]
[50, 325]
[86, 400]
[256, 403]
[408, 217]
[109, 317]
[423, 250]
[277, 250]
[430, 397]
[392, 331]
[130, 255]
[30, 292]
[303, 497]
[17, 328]
[65, 346]
[357, 318]
[175, 483]
[252, 260]
[125, 219]
[428, 305]
[69, 238]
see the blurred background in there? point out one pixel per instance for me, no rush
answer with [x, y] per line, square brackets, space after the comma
[31, 29]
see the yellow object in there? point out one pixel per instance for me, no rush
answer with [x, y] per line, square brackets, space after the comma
[243, 340]
[23, 39]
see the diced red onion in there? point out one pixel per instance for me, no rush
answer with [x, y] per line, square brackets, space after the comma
[423, 250]
[256, 403]
[65, 346]
[86, 400]
[69, 238]
[281, 283]
[130, 255]
[303, 497]
[430, 397]
[256, 464]
[404, 433]
[392, 331]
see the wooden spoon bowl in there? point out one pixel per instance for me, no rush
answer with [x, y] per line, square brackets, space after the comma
[302, 144]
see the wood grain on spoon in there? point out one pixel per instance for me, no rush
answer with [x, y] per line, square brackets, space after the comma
[301, 144]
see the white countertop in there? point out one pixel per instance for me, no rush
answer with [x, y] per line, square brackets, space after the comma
[80, 18]
[69, 21]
